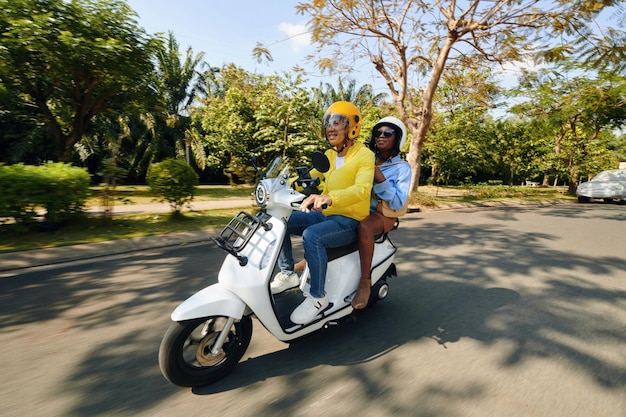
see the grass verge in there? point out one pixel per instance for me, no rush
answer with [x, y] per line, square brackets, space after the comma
[140, 194]
[95, 229]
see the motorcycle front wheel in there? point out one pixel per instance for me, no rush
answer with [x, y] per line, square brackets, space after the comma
[185, 355]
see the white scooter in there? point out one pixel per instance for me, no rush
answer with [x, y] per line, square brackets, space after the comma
[212, 329]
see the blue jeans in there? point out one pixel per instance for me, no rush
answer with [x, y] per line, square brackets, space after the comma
[318, 233]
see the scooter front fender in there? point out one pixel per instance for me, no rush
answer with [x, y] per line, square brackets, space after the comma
[214, 300]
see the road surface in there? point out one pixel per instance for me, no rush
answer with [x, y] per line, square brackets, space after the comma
[496, 312]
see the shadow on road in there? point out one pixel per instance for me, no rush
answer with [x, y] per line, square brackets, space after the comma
[452, 285]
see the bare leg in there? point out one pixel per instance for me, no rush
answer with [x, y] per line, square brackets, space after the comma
[373, 225]
[299, 267]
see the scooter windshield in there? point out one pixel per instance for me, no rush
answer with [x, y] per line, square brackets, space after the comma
[278, 168]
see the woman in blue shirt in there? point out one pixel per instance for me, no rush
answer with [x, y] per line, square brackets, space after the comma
[392, 179]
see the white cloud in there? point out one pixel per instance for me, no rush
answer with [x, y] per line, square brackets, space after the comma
[509, 72]
[297, 35]
[516, 67]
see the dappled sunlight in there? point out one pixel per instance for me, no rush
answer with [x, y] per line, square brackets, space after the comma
[477, 294]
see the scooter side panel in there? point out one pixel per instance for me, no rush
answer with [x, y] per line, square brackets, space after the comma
[384, 254]
[343, 274]
[214, 300]
[251, 281]
[342, 277]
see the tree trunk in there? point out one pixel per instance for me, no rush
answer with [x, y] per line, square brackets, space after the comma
[419, 133]
[414, 158]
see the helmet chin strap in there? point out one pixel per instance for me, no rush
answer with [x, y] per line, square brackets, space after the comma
[346, 143]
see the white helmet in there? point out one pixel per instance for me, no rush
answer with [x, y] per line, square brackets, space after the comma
[397, 125]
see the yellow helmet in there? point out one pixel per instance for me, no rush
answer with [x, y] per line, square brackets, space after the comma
[350, 112]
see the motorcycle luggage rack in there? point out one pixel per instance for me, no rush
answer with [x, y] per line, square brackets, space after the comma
[237, 233]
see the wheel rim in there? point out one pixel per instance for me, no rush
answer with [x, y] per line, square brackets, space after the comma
[204, 356]
[383, 291]
[199, 343]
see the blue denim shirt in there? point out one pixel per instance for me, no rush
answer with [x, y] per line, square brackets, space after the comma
[395, 188]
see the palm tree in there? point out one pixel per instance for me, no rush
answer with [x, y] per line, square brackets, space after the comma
[362, 97]
[178, 84]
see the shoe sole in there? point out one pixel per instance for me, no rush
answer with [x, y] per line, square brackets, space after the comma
[286, 289]
[328, 307]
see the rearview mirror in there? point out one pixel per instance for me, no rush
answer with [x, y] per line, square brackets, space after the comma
[320, 161]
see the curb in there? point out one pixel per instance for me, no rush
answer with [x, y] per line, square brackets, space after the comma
[53, 256]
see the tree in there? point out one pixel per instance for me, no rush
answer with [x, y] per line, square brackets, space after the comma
[266, 116]
[574, 108]
[455, 150]
[178, 85]
[516, 153]
[411, 43]
[363, 97]
[22, 137]
[592, 41]
[288, 121]
[73, 60]
[159, 128]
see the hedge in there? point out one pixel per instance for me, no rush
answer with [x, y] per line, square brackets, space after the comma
[55, 191]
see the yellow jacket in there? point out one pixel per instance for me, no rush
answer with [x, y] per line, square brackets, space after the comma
[350, 186]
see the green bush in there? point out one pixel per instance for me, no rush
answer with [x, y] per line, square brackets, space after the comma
[174, 181]
[55, 191]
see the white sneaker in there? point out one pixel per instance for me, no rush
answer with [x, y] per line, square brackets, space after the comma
[283, 281]
[308, 310]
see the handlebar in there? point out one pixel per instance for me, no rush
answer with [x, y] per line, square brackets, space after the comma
[299, 206]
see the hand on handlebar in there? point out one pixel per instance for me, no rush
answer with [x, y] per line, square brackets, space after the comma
[316, 202]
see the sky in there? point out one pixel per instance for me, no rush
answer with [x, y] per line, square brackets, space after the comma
[228, 31]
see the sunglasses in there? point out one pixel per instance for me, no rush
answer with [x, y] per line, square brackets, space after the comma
[384, 133]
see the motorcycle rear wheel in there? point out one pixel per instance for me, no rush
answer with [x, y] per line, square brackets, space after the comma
[185, 357]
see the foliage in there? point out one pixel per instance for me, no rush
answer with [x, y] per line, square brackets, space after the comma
[174, 181]
[454, 151]
[99, 88]
[577, 110]
[58, 190]
[411, 43]
[72, 61]
[159, 129]
[266, 116]
[591, 39]
[516, 153]
[178, 85]
[362, 97]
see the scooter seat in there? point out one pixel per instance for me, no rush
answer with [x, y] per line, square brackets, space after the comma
[334, 253]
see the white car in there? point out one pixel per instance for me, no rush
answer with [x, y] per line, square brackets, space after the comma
[607, 185]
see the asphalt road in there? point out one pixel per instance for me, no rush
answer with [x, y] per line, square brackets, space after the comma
[496, 312]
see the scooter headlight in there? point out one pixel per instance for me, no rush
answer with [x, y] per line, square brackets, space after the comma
[261, 195]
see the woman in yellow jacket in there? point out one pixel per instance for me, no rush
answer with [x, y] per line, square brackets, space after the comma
[334, 215]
